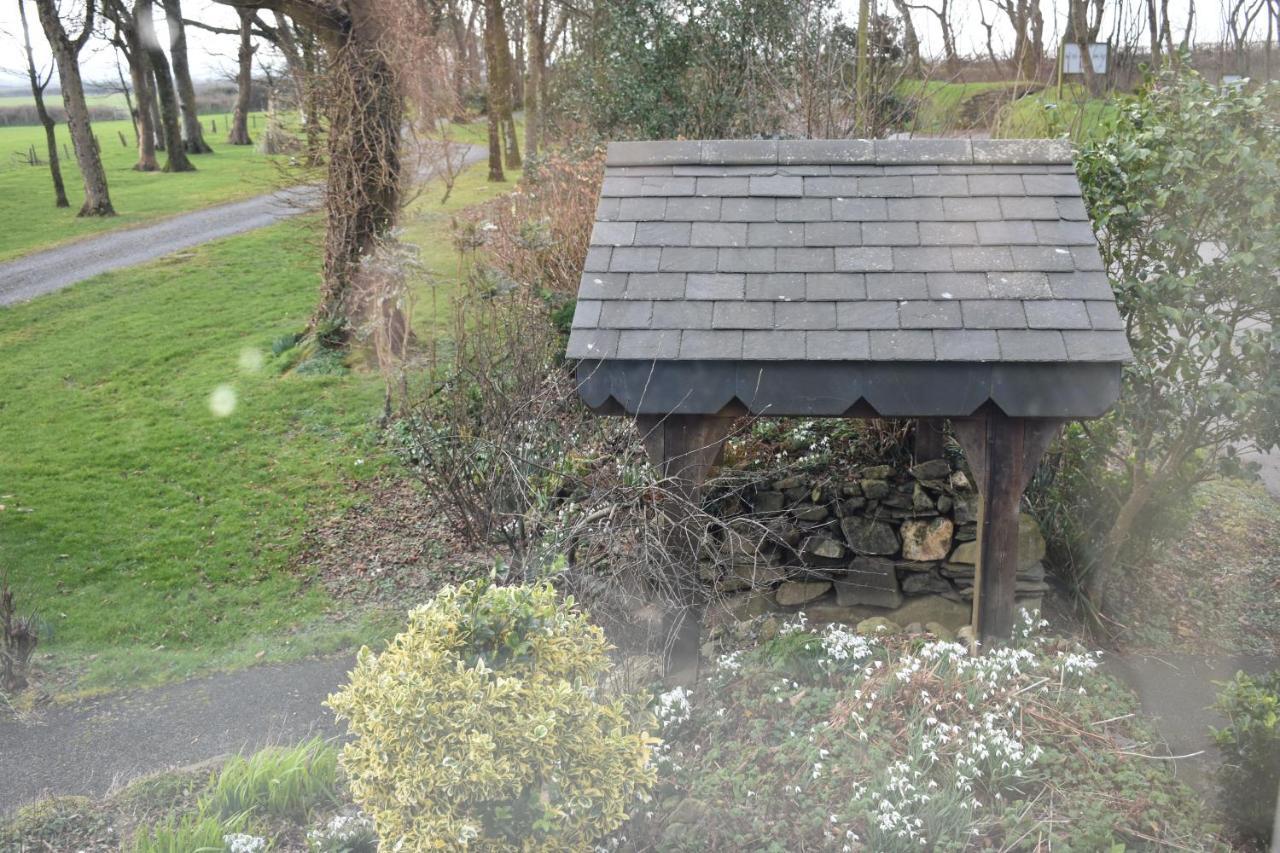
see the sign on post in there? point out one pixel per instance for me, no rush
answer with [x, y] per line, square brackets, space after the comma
[1073, 64]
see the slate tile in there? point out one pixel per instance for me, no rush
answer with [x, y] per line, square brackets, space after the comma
[1010, 185]
[711, 344]
[655, 285]
[618, 186]
[649, 344]
[929, 185]
[902, 345]
[1008, 232]
[602, 285]
[898, 186]
[626, 314]
[862, 171]
[974, 209]
[668, 185]
[592, 343]
[805, 260]
[1057, 314]
[740, 151]
[1031, 345]
[742, 315]
[864, 259]
[586, 314]
[681, 259]
[748, 260]
[608, 208]
[1042, 258]
[1028, 207]
[924, 258]
[867, 315]
[1098, 346]
[652, 153]
[778, 185]
[965, 345]
[911, 169]
[1072, 209]
[948, 234]
[773, 346]
[897, 285]
[597, 259]
[661, 233]
[642, 209]
[1057, 232]
[859, 209]
[691, 209]
[890, 234]
[1104, 315]
[739, 185]
[826, 151]
[804, 209]
[1019, 285]
[993, 314]
[837, 346]
[778, 285]
[831, 186]
[638, 171]
[1080, 285]
[719, 234]
[613, 233]
[832, 234]
[958, 285]
[919, 151]
[981, 258]
[805, 315]
[928, 314]
[1051, 185]
[747, 210]
[835, 286]
[915, 208]
[1087, 258]
[685, 314]
[715, 286]
[1021, 151]
[775, 234]
[805, 170]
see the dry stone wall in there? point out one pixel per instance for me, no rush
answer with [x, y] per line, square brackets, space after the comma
[897, 544]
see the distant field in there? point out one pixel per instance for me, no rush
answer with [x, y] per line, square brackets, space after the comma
[112, 99]
[29, 221]
[941, 106]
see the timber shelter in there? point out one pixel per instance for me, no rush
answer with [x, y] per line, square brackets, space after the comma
[936, 279]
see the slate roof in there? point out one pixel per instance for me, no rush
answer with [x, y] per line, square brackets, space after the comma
[844, 250]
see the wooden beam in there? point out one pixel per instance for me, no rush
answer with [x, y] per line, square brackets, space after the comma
[930, 439]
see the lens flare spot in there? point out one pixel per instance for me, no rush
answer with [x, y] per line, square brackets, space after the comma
[222, 401]
[251, 359]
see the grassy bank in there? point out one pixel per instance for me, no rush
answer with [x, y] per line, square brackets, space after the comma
[29, 221]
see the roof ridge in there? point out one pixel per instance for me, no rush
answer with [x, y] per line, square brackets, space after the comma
[919, 151]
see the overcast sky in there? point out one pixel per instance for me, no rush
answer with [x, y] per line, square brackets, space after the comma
[212, 56]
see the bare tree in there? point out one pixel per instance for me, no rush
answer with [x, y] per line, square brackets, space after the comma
[496, 91]
[536, 13]
[128, 42]
[1084, 22]
[239, 133]
[38, 85]
[910, 40]
[943, 15]
[166, 95]
[503, 70]
[1027, 21]
[193, 133]
[66, 53]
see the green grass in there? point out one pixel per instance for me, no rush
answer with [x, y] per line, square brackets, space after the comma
[29, 221]
[284, 782]
[103, 99]
[1044, 114]
[940, 105]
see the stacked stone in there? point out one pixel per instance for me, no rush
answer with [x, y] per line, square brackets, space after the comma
[896, 544]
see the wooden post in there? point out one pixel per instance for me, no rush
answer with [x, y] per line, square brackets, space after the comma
[1003, 453]
[930, 439]
[684, 449]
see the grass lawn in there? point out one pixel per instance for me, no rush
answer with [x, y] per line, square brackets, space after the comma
[1044, 114]
[940, 105]
[156, 538]
[29, 221]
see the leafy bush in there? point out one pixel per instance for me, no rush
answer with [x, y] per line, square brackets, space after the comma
[1184, 196]
[285, 782]
[832, 740]
[1250, 744]
[481, 725]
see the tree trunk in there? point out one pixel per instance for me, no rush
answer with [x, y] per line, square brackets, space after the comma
[362, 194]
[97, 199]
[140, 73]
[157, 121]
[535, 28]
[495, 91]
[506, 76]
[175, 154]
[46, 121]
[910, 40]
[192, 131]
[239, 134]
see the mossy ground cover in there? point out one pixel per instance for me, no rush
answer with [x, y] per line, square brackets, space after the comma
[154, 538]
[29, 221]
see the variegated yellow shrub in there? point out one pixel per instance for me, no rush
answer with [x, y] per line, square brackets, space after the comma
[480, 727]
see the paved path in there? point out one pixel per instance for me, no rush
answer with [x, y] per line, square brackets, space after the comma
[88, 747]
[53, 269]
